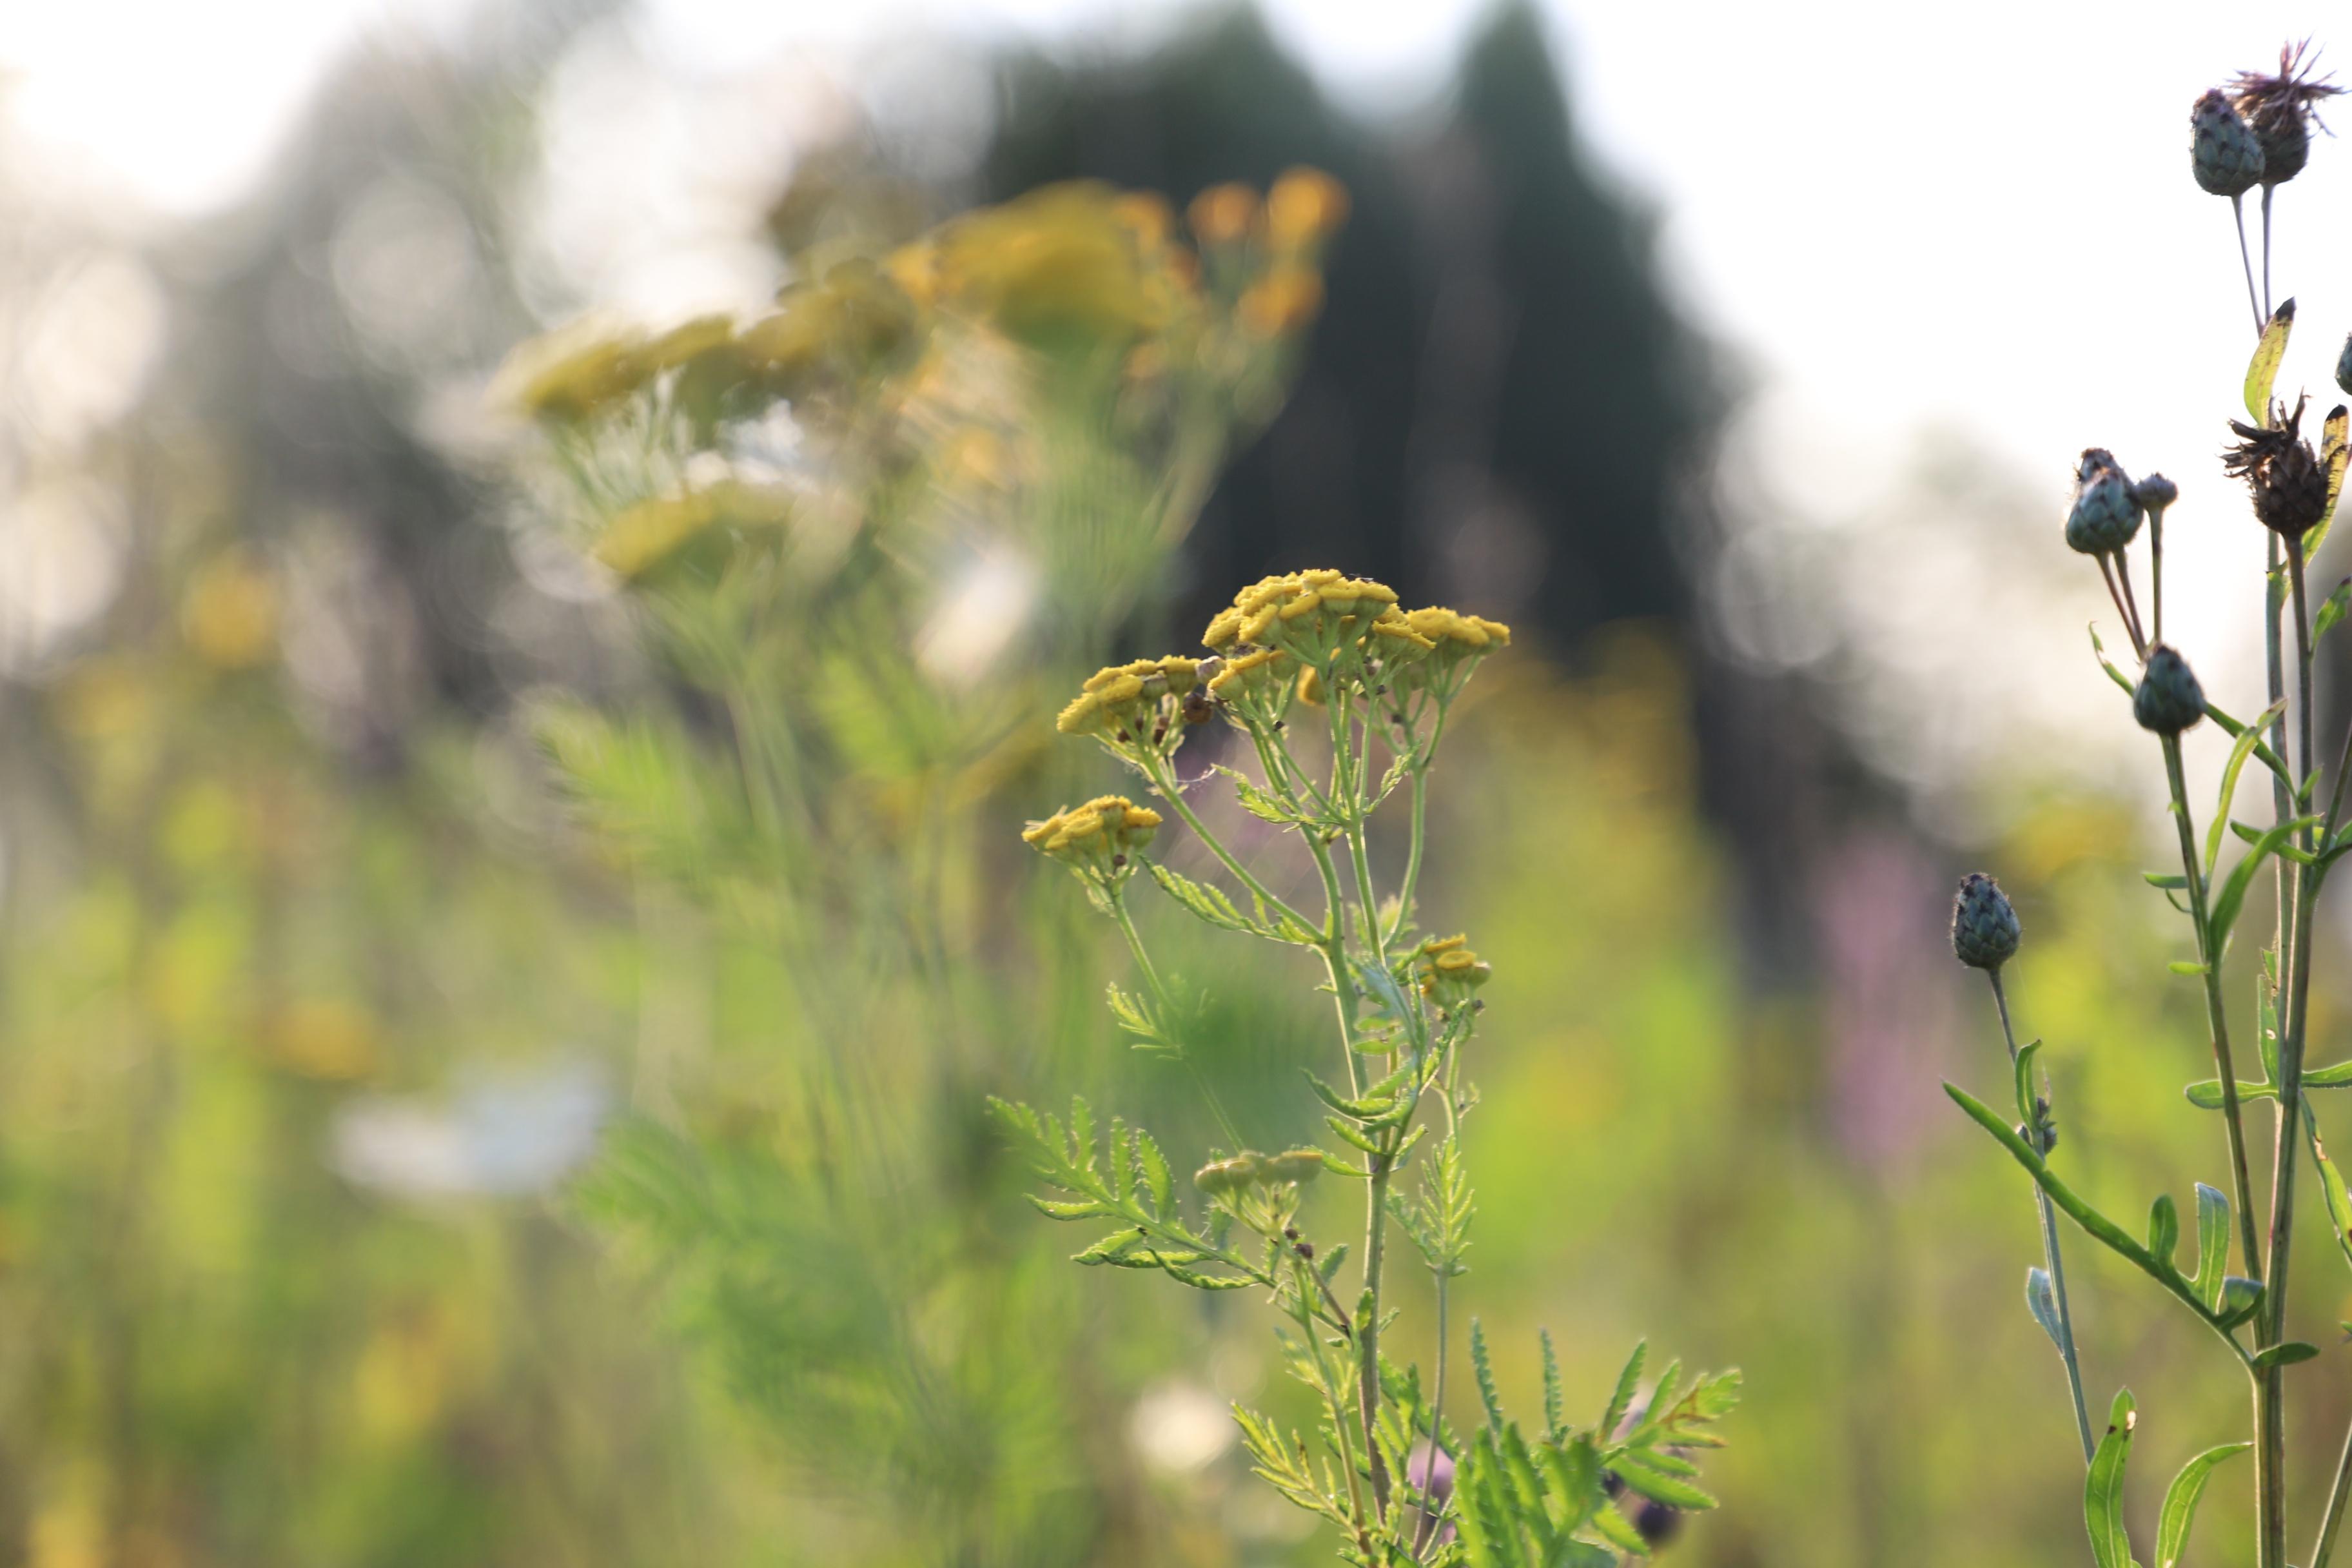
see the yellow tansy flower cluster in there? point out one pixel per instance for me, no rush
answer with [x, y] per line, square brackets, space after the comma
[1098, 838]
[1133, 705]
[1449, 972]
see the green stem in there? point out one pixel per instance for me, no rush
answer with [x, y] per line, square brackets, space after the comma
[2215, 1015]
[1437, 1424]
[2333, 1518]
[2290, 1088]
[1339, 1411]
[2049, 1253]
[2238, 211]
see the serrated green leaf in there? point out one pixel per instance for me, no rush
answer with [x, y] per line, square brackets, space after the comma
[1555, 1408]
[2261, 371]
[1158, 1180]
[1629, 1382]
[1207, 902]
[1620, 1533]
[1485, 1370]
[1659, 1486]
[2102, 1489]
[2180, 1500]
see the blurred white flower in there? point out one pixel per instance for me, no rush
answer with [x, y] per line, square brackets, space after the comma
[1180, 1427]
[499, 1135]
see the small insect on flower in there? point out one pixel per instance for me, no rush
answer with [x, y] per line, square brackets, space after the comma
[2168, 698]
[2105, 516]
[1985, 932]
[2224, 153]
[2280, 111]
[2289, 481]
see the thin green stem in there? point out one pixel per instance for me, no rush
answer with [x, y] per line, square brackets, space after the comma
[1428, 1524]
[2050, 1252]
[2267, 188]
[2238, 212]
[2216, 1015]
[2333, 1518]
[2156, 566]
[2305, 884]
[1338, 1410]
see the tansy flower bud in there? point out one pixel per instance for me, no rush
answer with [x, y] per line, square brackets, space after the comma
[2169, 699]
[1298, 1166]
[2223, 152]
[1303, 207]
[1226, 1176]
[1223, 215]
[2105, 516]
[1984, 924]
[1449, 972]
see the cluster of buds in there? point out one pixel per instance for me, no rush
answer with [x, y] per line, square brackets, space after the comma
[1294, 1168]
[1985, 932]
[1449, 973]
[1098, 840]
[1137, 708]
[1271, 248]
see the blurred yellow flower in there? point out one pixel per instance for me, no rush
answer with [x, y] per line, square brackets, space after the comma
[229, 613]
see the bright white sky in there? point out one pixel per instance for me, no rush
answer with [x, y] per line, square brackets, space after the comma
[1902, 217]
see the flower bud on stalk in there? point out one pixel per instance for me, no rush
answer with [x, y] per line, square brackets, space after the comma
[1985, 932]
[2155, 493]
[2105, 516]
[2169, 699]
[2224, 153]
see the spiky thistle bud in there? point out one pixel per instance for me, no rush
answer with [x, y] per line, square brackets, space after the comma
[2224, 150]
[2106, 515]
[2279, 110]
[1985, 932]
[2288, 480]
[2156, 492]
[2169, 699]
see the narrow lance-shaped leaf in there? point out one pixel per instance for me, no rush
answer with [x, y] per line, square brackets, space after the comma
[2335, 447]
[2212, 1244]
[2043, 1302]
[2206, 1094]
[2331, 1185]
[2180, 1501]
[2333, 608]
[2261, 371]
[2232, 897]
[2240, 749]
[2102, 1489]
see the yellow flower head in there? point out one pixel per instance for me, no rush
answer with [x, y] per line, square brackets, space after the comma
[1287, 298]
[1303, 209]
[1128, 705]
[1449, 972]
[1098, 838]
[1223, 215]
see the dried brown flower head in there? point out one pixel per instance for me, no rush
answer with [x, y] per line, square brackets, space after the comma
[2289, 481]
[2280, 109]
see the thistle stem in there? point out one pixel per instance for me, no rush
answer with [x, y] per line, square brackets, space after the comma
[2253, 303]
[2155, 565]
[2267, 189]
[2049, 1250]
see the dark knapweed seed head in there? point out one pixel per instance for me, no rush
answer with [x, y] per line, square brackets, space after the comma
[2169, 699]
[2105, 516]
[2288, 480]
[2223, 152]
[2156, 492]
[1985, 932]
[2280, 111]
[2344, 366]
